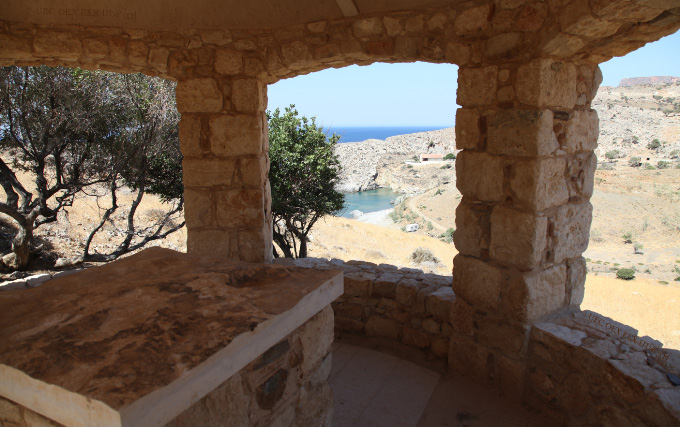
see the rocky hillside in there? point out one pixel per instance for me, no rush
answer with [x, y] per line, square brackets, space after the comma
[365, 164]
[634, 81]
[631, 119]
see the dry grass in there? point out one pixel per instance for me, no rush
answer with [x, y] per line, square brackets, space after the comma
[644, 304]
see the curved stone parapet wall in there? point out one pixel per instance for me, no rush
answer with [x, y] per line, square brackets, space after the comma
[582, 368]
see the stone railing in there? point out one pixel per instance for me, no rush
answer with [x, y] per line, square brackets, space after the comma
[583, 368]
[402, 304]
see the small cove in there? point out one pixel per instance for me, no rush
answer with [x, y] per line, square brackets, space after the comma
[368, 201]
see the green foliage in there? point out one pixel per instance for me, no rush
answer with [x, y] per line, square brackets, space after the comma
[626, 273]
[648, 167]
[628, 237]
[420, 255]
[429, 226]
[635, 162]
[655, 144]
[445, 167]
[613, 154]
[637, 247]
[438, 192]
[303, 173]
[662, 164]
[604, 166]
[450, 156]
[447, 236]
[415, 159]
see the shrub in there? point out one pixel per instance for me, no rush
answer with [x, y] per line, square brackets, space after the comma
[438, 192]
[674, 154]
[415, 159]
[429, 226]
[450, 156]
[654, 144]
[605, 166]
[637, 247]
[421, 255]
[649, 167]
[662, 164]
[445, 167]
[613, 154]
[447, 236]
[635, 162]
[628, 237]
[626, 273]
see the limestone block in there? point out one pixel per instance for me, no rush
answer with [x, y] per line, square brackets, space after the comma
[415, 24]
[415, 337]
[235, 135]
[198, 208]
[472, 230]
[431, 326]
[511, 374]
[216, 37]
[540, 184]
[457, 53]
[518, 239]
[532, 295]
[437, 21]
[521, 133]
[571, 228]
[254, 67]
[386, 284]
[208, 242]
[359, 284]
[581, 169]
[573, 20]
[350, 310]
[407, 292]
[532, 17]
[406, 47]
[367, 27]
[479, 176]
[547, 83]
[228, 405]
[228, 61]
[563, 45]
[503, 45]
[317, 336]
[327, 52]
[349, 325]
[670, 398]
[509, 337]
[576, 280]
[377, 326]
[477, 282]
[467, 129]
[254, 171]
[472, 20]
[12, 47]
[440, 346]
[248, 95]
[200, 172]
[254, 245]
[158, 58]
[581, 131]
[438, 303]
[63, 45]
[295, 54]
[317, 27]
[506, 94]
[190, 135]
[95, 48]
[10, 412]
[393, 26]
[240, 208]
[198, 96]
[638, 11]
[138, 52]
[477, 86]
[468, 358]
[462, 318]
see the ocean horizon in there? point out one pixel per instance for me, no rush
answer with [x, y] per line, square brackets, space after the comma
[362, 133]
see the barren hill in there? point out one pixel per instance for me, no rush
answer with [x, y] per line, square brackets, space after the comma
[634, 81]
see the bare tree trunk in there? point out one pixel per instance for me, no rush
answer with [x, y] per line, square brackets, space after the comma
[21, 243]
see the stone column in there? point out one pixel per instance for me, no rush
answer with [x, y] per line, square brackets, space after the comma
[224, 140]
[526, 175]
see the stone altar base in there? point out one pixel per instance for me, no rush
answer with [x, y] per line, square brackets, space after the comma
[163, 338]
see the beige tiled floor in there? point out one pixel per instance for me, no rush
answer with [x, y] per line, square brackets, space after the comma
[377, 389]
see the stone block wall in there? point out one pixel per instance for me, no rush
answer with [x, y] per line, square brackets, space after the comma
[285, 386]
[401, 304]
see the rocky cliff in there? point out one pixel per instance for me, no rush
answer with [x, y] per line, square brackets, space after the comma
[634, 81]
[366, 164]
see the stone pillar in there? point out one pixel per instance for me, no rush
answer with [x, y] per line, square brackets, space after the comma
[526, 175]
[224, 140]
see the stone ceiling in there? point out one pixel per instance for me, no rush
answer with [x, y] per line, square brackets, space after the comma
[213, 14]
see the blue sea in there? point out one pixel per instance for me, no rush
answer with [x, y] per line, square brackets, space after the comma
[357, 134]
[368, 201]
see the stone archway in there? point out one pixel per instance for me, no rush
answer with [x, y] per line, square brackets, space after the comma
[528, 73]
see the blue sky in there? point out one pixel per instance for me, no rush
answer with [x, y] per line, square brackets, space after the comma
[422, 94]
